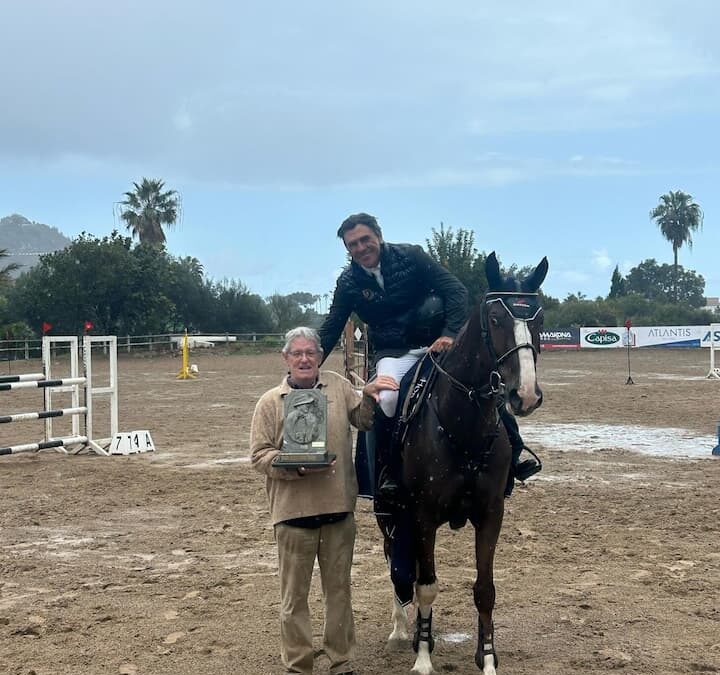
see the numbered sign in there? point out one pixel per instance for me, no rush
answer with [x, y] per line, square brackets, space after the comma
[131, 443]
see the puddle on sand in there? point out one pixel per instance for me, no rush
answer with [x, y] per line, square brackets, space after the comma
[455, 637]
[664, 442]
[670, 376]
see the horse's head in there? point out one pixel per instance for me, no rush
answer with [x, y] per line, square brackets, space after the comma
[512, 319]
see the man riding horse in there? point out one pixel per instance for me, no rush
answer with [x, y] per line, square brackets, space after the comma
[396, 289]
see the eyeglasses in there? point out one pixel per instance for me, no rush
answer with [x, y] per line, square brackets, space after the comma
[299, 353]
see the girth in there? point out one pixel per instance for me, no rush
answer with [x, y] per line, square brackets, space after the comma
[479, 455]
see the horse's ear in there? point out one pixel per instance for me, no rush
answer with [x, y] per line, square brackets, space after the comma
[534, 281]
[492, 272]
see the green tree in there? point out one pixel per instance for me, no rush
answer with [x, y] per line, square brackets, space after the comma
[614, 312]
[147, 209]
[121, 289]
[192, 298]
[678, 217]
[234, 309]
[304, 299]
[6, 270]
[666, 283]
[456, 252]
[453, 250]
[617, 284]
[295, 309]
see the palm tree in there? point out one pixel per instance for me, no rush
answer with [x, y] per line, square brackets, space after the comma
[678, 217]
[7, 269]
[147, 209]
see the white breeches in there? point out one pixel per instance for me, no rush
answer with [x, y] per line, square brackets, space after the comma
[396, 367]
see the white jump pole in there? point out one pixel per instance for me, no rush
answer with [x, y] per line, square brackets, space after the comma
[111, 391]
[714, 372]
[70, 385]
[72, 344]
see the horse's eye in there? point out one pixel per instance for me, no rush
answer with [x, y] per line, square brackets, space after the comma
[494, 321]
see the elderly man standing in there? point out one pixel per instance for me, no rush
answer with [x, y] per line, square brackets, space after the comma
[312, 507]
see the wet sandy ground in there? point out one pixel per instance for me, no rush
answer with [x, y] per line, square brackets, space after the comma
[165, 563]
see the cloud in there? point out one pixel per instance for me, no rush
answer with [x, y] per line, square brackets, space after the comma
[377, 95]
[601, 260]
[573, 277]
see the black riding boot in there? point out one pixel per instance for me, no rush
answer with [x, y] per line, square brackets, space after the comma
[388, 458]
[518, 470]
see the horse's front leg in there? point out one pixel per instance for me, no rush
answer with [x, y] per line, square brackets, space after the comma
[486, 536]
[400, 557]
[400, 635]
[426, 591]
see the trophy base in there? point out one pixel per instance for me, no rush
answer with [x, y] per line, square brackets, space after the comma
[296, 460]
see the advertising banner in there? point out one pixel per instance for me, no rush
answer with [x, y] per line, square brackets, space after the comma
[560, 338]
[705, 340]
[646, 336]
[670, 336]
[604, 338]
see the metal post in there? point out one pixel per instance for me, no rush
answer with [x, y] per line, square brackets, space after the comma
[714, 372]
[628, 325]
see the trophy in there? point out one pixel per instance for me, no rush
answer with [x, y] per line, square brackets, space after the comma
[304, 430]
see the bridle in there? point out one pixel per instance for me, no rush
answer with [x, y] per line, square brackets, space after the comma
[521, 307]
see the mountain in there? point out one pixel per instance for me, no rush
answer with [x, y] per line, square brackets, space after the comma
[25, 241]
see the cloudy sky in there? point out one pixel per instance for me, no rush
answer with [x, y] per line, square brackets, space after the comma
[546, 127]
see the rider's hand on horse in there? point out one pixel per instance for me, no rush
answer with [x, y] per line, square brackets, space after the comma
[374, 387]
[442, 344]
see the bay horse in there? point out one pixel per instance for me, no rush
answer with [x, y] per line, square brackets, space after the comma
[456, 453]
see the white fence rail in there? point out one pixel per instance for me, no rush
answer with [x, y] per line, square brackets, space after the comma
[31, 348]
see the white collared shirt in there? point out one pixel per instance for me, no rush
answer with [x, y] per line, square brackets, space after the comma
[377, 273]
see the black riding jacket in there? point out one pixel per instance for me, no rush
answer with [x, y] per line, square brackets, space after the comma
[409, 275]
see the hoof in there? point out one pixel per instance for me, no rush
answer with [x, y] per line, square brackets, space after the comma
[487, 663]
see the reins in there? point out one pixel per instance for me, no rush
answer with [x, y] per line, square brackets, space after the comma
[495, 388]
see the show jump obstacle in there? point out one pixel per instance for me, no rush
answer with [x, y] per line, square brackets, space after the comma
[187, 371]
[714, 372]
[80, 438]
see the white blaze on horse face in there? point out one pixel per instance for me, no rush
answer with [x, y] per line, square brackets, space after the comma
[527, 381]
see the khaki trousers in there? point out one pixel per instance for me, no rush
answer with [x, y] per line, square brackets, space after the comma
[298, 547]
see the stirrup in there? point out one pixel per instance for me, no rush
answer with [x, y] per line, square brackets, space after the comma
[528, 467]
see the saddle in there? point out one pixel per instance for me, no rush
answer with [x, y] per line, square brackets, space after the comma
[415, 386]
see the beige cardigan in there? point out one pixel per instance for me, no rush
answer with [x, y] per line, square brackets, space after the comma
[331, 491]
